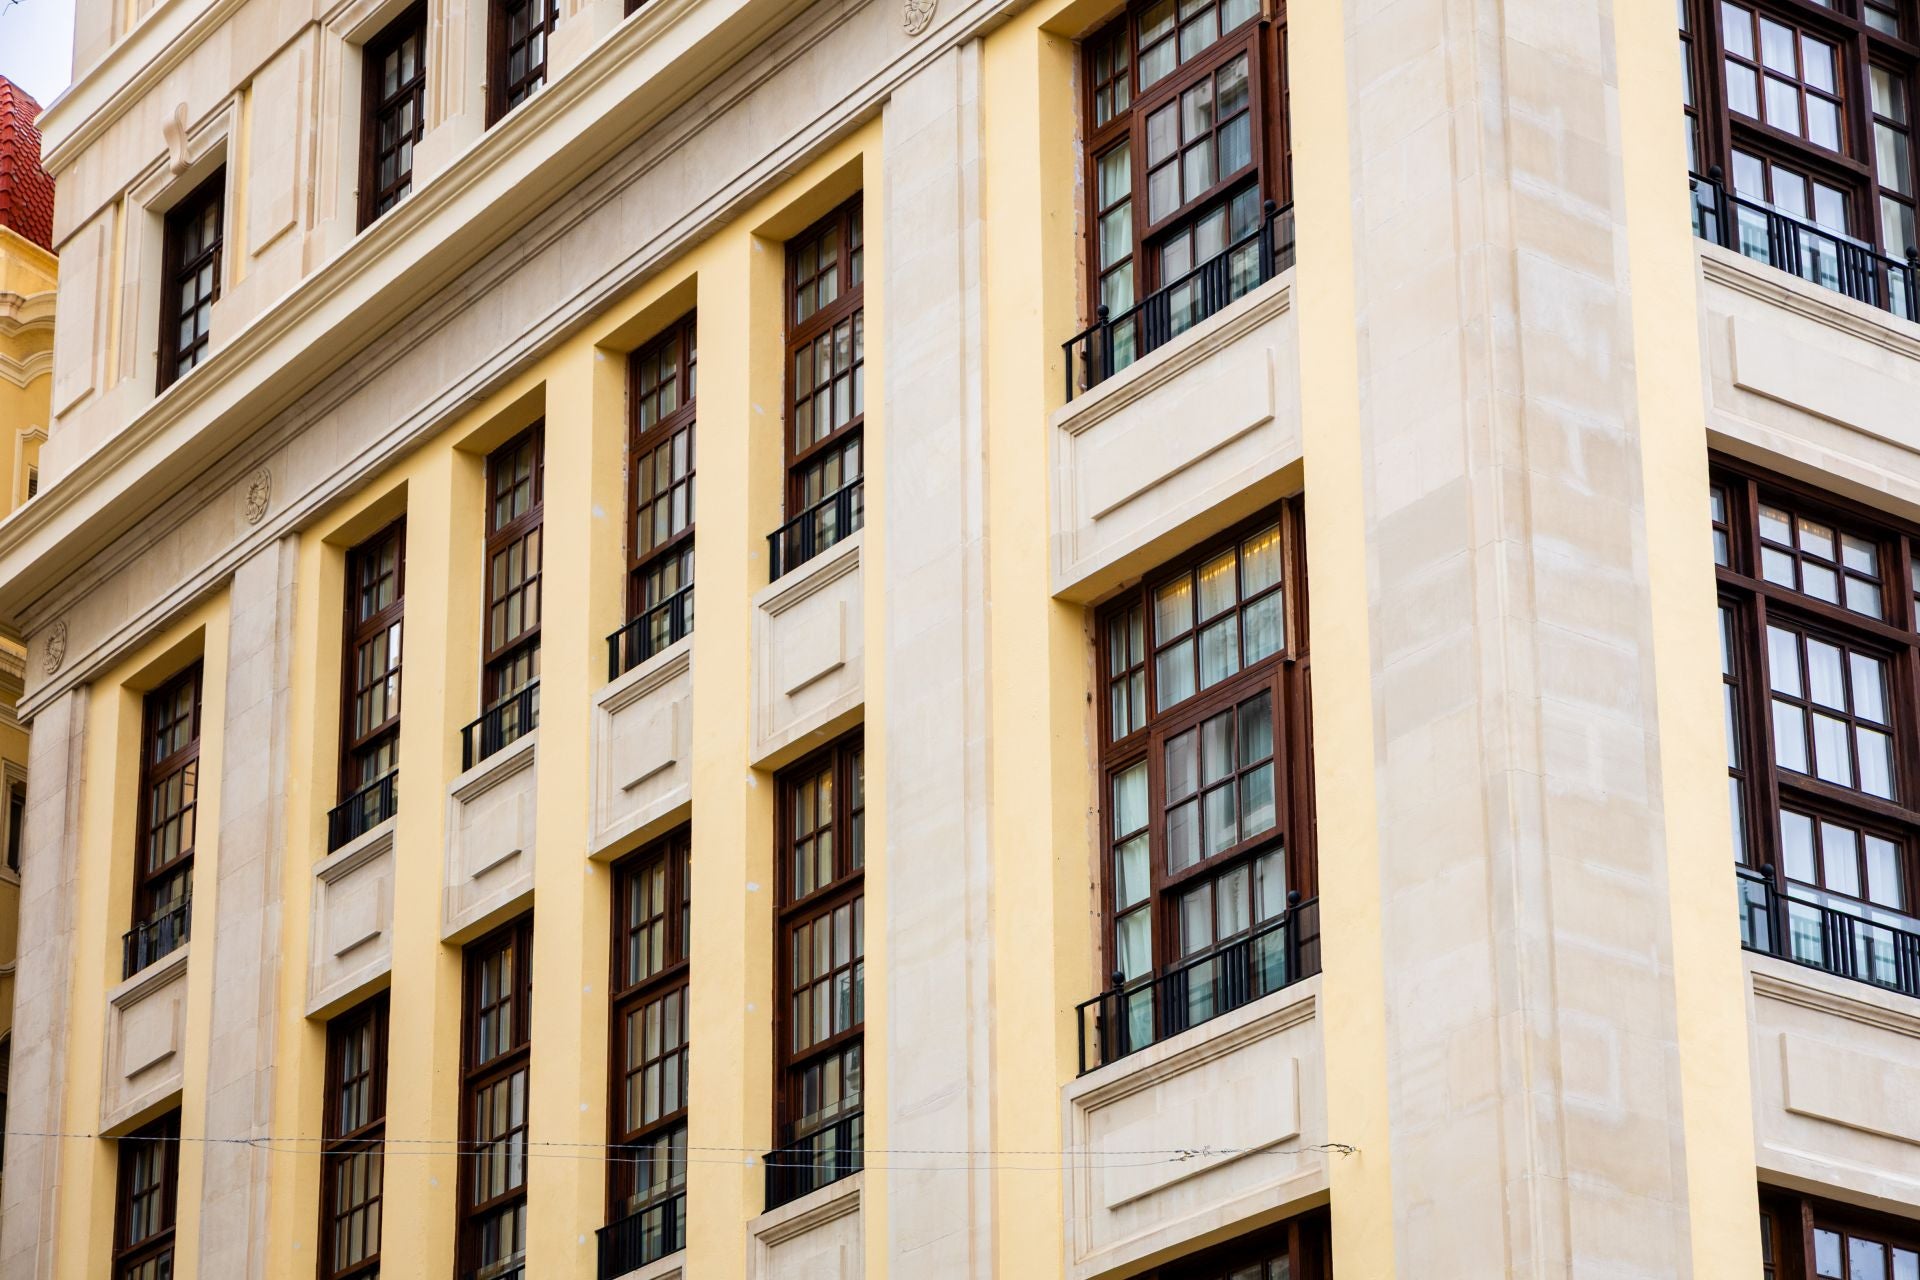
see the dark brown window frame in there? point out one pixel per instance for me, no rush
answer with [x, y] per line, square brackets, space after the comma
[16, 822]
[478, 1075]
[671, 854]
[681, 341]
[499, 661]
[143, 1259]
[1264, 38]
[849, 304]
[146, 878]
[1791, 1223]
[176, 269]
[847, 887]
[1305, 1241]
[1284, 675]
[1754, 602]
[504, 93]
[377, 105]
[359, 631]
[343, 1143]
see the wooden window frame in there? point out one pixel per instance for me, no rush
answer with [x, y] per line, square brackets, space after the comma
[1854, 169]
[673, 853]
[16, 821]
[359, 631]
[176, 269]
[343, 1142]
[377, 106]
[681, 339]
[847, 887]
[503, 94]
[499, 661]
[147, 879]
[1790, 1225]
[1754, 602]
[1304, 1240]
[1263, 37]
[130, 1256]
[478, 1074]
[1284, 675]
[850, 305]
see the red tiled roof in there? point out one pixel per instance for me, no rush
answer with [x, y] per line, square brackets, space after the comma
[26, 190]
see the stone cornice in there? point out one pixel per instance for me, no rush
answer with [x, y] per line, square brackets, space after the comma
[21, 372]
[26, 312]
[1740, 273]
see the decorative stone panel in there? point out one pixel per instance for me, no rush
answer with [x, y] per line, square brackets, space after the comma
[642, 758]
[351, 941]
[490, 826]
[1164, 447]
[146, 1034]
[809, 668]
[820, 1236]
[1836, 1082]
[1236, 1103]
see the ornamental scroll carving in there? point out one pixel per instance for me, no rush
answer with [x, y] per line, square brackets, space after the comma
[917, 16]
[56, 647]
[259, 495]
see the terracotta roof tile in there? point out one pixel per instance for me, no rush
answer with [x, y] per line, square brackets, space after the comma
[26, 190]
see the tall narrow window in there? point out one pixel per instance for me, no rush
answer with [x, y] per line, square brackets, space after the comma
[191, 277]
[16, 822]
[1207, 806]
[353, 1166]
[494, 1059]
[169, 811]
[826, 387]
[660, 465]
[147, 1201]
[370, 719]
[395, 94]
[518, 42]
[647, 1175]
[821, 970]
[516, 480]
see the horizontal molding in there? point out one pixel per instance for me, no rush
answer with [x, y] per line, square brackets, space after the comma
[1740, 273]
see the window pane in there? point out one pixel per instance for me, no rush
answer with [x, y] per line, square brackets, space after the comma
[1840, 858]
[1783, 661]
[1796, 847]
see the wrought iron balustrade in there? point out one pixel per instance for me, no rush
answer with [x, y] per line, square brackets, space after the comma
[506, 721]
[1844, 943]
[1803, 248]
[645, 1235]
[826, 522]
[364, 810]
[822, 1157]
[664, 624]
[1132, 1016]
[160, 935]
[1112, 342]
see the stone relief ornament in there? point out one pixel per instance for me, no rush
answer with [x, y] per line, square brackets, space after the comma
[917, 16]
[56, 647]
[174, 129]
[259, 495]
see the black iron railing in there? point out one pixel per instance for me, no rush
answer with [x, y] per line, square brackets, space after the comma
[162, 934]
[826, 522]
[643, 1236]
[1111, 342]
[666, 623]
[822, 1157]
[1843, 943]
[1802, 248]
[1132, 1016]
[364, 810]
[506, 721]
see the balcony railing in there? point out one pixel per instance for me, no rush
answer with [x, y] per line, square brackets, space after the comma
[1802, 248]
[644, 1236]
[506, 721]
[163, 934]
[1844, 943]
[1133, 1016]
[665, 623]
[513, 1270]
[836, 516]
[364, 810]
[1111, 343]
[822, 1157]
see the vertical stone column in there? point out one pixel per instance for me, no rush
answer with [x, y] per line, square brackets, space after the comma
[1532, 1073]
[938, 1050]
[245, 932]
[42, 1009]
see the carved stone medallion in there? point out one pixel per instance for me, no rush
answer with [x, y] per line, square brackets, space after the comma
[56, 647]
[259, 495]
[916, 16]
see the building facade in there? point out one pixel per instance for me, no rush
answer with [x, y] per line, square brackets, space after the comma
[991, 880]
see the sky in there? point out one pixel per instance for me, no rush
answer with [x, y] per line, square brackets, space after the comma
[36, 45]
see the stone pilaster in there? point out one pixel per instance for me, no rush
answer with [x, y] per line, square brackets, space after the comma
[246, 929]
[939, 1086]
[42, 1008]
